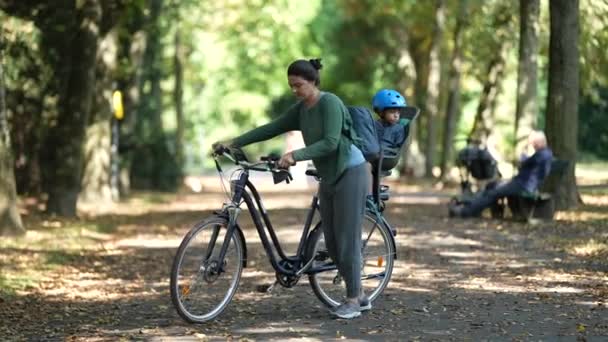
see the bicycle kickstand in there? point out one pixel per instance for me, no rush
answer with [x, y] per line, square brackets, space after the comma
[267, 288]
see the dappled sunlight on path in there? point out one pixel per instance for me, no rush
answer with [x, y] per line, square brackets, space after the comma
[106, 276]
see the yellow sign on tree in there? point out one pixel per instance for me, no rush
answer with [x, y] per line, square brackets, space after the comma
[117, 105]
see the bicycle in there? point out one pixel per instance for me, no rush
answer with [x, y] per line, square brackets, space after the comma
[208, 264]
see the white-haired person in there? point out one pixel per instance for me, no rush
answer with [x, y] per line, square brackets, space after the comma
[532, 172]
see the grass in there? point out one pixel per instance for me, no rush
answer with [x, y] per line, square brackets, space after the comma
[595, 172]
[155, 198]
[11, 283]
[594, 191]
[586, 235]
[589, 248]
[46, 246]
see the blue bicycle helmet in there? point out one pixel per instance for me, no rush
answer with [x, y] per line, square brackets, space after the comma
[387, 98]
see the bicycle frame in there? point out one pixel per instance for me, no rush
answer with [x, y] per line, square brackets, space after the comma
[262, 223]
[282, 264]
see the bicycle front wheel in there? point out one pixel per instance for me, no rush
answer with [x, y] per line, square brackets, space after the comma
[378, 256]
[201, 284]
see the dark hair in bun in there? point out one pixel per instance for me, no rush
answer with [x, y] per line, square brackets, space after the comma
[307, 69]
[316, 63]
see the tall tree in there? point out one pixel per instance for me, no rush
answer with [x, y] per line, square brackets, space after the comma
[70, 131]
[434, 86]
[153, 165]
[494, 72]
[96, 176]
[97, 155]
[563, 95]
[25, 105]
[178, 92]
[131, 48]
[10, 221]
[453, 106]
[484, 117]
[74, 59]
[527, 103]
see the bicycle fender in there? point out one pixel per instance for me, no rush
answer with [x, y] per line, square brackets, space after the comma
[391, 236]
[394, 245]
[311, 235]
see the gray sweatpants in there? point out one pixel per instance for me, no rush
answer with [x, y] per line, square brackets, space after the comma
[342, 211]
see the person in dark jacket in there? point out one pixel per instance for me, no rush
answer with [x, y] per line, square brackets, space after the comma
[532, 172]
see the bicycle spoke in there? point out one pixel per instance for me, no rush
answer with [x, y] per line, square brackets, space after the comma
[377, 257]
[190, 287]
[202, 285]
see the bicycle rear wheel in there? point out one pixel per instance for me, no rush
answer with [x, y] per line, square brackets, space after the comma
[378, 256]
[201, 287]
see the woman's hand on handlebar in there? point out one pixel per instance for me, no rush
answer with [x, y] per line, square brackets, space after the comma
[220, 146]
[287, 160]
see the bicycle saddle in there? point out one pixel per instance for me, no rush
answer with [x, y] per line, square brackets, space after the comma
[312, 172]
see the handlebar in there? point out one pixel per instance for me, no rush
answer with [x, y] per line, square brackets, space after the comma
[268, 163]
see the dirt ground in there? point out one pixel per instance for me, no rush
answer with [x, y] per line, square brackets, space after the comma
[454, 279]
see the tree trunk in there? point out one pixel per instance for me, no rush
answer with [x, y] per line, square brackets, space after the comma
[28, 170]
[413, 157]
[484, 119]
[153, 165]
[453, 106]
[527, 103]
[65, 140]
[432, 93]
[131, 48]
[10, 221]
[562, 99]
[96, 185]
[178, 95]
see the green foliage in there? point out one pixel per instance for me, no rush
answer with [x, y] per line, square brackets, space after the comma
[367, 43]
[592, 132]
[236, 67]
[490, 24]
[593, 42]
[261, 37]
[236, 53]
[30, 103]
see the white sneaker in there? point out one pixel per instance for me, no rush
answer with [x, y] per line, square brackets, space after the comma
[347, 311]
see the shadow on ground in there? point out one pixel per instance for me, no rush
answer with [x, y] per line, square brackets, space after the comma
[453, 280]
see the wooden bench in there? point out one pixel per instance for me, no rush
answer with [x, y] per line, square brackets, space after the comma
[529, 206]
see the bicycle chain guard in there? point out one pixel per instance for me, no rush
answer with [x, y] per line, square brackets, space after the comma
[287, 280]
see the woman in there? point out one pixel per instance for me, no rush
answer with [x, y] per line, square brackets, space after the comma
[329, 138]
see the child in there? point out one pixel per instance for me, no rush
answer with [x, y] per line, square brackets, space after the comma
[391, 128]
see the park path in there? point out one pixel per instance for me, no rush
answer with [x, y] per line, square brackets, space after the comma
[454, 280]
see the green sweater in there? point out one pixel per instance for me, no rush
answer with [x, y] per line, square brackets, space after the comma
[326, 128]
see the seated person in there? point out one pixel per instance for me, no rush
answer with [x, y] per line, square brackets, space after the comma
[392, 130]
[532, 172]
